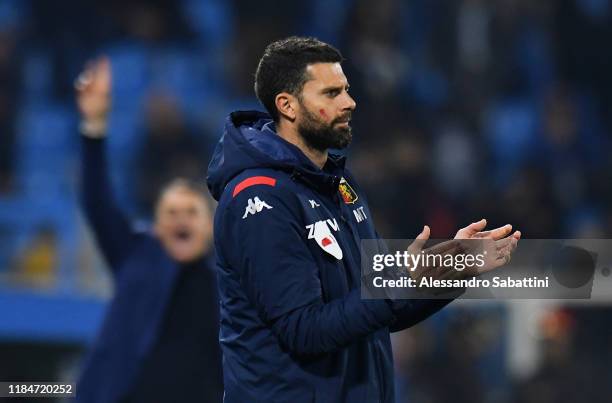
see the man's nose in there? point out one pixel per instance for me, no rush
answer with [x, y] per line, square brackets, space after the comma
[350, 103]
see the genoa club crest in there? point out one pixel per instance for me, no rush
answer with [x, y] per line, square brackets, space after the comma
[346, 191]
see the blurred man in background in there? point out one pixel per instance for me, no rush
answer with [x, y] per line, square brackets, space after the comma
[159, 341]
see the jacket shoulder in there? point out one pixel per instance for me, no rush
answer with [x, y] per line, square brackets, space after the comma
[255, 199]
[261, 180]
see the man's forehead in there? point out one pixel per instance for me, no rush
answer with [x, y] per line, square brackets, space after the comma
[179, 195]
[326, 73]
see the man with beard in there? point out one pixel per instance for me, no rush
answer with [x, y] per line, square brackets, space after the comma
[159, 339]
[287, 233]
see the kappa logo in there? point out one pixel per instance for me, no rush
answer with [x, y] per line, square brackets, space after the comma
[255, 205]
[321, 233]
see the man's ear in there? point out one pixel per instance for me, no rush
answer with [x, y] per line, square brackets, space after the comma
[286, 105]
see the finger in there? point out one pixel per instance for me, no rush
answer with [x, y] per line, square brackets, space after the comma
[502, 243]
[517, 235]
[496, 233]
[471, 229]
[505, 254]
[103, 71]
[502, 256]
[84, 79]
[424, 235]
[477, 226]
[96, 71]
[509, 243]
[419, 242]
[513, 245]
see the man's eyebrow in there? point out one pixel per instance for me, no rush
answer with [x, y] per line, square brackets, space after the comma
[335, 87]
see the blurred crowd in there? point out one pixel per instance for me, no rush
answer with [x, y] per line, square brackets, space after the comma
[465, 109]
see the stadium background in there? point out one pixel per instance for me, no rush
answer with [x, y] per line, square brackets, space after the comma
[466, 109]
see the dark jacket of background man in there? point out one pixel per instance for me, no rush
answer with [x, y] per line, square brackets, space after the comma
[159, 340]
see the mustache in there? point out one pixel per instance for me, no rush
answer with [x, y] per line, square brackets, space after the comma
[343, 118]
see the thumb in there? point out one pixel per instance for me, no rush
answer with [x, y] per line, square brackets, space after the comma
[472, 229]
[477, 226]
[419, 242]
[424, 235]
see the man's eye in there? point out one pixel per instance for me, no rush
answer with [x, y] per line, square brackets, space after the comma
[333, 93]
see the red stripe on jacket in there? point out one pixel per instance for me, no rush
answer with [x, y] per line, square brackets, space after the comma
[255, 180]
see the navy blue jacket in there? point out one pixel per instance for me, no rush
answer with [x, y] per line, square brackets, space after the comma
[144, 279]
[293, 325]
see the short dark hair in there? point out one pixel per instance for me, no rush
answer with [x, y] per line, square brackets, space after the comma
[190, 185]
[282, 68]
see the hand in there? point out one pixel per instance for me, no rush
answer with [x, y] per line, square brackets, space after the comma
[451, 247]
[500, 248]
[93, 93]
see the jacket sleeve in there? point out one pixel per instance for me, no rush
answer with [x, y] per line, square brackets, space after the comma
[413, 311]
[409, 312]
[267, 246]
[111, 229]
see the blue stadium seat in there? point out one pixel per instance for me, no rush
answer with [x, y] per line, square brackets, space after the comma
[211, 20]
[130, 69]
[45, 177]
[37, 76]
[321, 12]
[509, 130]
[45, 150]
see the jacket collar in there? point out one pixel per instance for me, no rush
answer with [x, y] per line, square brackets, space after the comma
[326, 179]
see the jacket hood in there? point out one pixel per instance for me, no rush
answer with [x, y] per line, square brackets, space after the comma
[249, 140]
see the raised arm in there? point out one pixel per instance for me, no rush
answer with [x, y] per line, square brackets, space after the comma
[111, 228]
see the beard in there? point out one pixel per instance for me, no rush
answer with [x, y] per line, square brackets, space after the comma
[320, 135]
